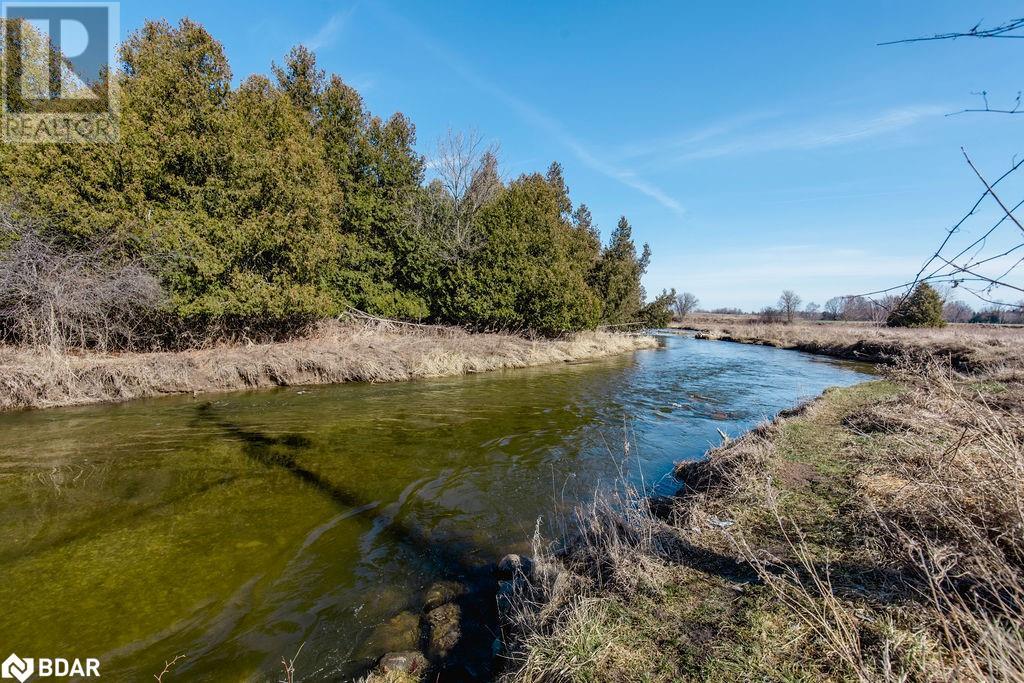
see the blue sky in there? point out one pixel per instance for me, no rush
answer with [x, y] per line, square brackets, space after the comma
[755, 146]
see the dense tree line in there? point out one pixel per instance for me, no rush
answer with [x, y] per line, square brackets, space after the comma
[283, 200]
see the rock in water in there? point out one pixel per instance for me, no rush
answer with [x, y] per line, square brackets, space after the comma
[442, 592]
[444, 629]
[400, 633]
[412, 663]
[510, 565]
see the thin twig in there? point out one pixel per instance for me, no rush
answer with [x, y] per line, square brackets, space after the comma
[1000, 31]
[167, 667]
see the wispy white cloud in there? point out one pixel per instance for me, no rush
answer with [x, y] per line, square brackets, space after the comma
[689, 139]
[538, 119]
[812, 134]
[619, 173]
[753, 133]
[328, 33]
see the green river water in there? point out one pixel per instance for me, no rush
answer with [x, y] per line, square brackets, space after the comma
[237, 527]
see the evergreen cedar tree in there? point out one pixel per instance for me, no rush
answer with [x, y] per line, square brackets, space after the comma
[283, 200]
[923, 308]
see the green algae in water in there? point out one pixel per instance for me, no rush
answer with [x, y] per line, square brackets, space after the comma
[235, 528]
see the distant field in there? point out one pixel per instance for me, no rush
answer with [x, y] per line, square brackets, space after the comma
[967, 346]
[696, 320]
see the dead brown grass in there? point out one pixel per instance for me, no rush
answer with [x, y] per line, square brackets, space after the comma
[363, 351]
[940, 507]
[966, 347]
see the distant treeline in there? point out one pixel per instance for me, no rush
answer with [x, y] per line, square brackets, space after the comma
[259, 208]
[864, 309]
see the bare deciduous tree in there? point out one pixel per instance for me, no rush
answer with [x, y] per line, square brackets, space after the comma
[467, 179]
[684, 304]
[789, 304]
[834, 308]
[957, 312]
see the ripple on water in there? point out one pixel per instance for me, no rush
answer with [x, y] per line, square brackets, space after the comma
[239, 526]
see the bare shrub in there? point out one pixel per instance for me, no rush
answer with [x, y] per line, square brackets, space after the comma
[60, 297]
[770, 316]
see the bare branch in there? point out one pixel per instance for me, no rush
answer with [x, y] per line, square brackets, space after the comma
[983, 278]
[1005, 30]
[991, 192]
[955, 272]
[989, 110]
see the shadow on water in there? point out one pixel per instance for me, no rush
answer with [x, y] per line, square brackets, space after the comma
[320, 516]
[470, 658]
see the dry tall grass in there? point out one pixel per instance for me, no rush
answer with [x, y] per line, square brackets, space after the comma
[967, 347]
[558, 618]
[335, 352]
[941, 502]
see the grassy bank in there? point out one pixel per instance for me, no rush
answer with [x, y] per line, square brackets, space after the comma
[357, 351]
[965, 347]
[876, 534]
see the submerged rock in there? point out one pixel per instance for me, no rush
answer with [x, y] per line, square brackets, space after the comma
[507, 590]
[399, 633]
[442, 592]
[411, 662]
[444, 625]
